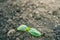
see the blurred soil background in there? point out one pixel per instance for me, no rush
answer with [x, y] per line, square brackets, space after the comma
[44, 15]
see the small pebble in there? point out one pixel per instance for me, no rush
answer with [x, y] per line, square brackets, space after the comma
[17, 39]
[11, 32]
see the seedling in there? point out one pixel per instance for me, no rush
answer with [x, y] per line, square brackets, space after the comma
[32, 31]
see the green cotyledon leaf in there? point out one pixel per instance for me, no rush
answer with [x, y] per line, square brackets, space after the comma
[22, 28]
[34, 32]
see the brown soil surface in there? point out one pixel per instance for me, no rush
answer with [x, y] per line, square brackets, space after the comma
[44, 15]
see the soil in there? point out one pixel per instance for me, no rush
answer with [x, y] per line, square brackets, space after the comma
[44, 15]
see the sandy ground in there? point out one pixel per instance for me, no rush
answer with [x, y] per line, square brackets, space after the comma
[44, 15]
